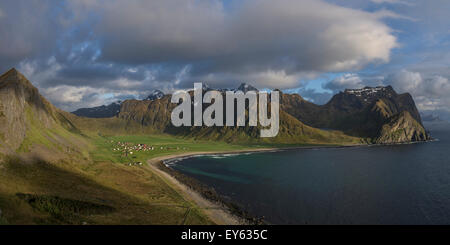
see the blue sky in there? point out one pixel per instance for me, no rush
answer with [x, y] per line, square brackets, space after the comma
[92, 52]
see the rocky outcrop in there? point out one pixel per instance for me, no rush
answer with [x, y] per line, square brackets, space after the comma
[155, 95]
[28, 120]
[19, 101]
[357, 112]
[148, 113]
[402, 128]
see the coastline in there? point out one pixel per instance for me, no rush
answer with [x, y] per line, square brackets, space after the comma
[216, 209]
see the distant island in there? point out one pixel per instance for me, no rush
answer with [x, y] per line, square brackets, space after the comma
[89, 167]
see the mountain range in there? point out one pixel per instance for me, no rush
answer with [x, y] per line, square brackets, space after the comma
[368, 115]
[377, 115]
[103, 111]
[111, 110]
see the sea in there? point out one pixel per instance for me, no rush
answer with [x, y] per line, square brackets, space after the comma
[393, 184]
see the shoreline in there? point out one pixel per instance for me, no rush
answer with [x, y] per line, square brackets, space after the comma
[217, 210]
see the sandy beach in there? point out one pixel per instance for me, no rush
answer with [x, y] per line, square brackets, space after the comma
[215, 211]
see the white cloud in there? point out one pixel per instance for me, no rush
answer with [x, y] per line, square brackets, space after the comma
[68, 94]
[272, 44]
[70, 98]
[349, 80]
[430, 93]
[124, 83]
[27, 32]
[406, 81]
[277, 38]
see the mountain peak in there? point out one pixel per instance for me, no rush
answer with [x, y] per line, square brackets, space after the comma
[368, 90]
[103, 111]
[12, 71]
[370, 94]
[15, 79]
[22, 108]
[155, 94]
[244, 87]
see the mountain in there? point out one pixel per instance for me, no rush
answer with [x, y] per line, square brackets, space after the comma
[51, 173]
[401, 127]
[155, 94]
[103, 111]
[29, 123]
[146, 116]
[111, 110]
[372, 114]
[366, 113]
[245, 88]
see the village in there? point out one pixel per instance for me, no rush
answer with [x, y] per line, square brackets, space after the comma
[128, 149]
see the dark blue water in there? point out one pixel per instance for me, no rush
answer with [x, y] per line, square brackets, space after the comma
[403, 184]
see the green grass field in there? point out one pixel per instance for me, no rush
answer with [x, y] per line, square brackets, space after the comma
[169, 144]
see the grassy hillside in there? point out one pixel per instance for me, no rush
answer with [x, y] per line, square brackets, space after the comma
[70, 193]
[53, 172]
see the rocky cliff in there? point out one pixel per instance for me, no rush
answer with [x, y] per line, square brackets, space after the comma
[359, 112]
[28, 122]
[401, 128]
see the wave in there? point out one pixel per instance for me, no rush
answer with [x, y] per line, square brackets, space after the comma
[173, 161]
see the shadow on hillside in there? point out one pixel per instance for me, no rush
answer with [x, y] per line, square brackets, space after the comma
[60, 196]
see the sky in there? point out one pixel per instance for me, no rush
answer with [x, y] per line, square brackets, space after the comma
[84, 53]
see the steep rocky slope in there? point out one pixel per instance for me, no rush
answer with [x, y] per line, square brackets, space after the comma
[359, 112]
[29, 123]
[156, 115]
[401, 128]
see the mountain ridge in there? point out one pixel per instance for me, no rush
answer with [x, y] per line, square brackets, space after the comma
[358, 112]
[300, 121]
[30, 123]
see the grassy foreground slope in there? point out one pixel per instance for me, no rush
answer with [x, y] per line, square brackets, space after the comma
[130, 194]
[70, 193]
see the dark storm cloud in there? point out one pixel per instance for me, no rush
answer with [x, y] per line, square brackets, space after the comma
[82, 49]
[260, 36]
[27, 30]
